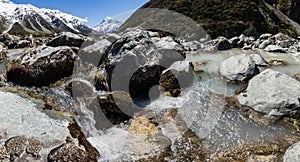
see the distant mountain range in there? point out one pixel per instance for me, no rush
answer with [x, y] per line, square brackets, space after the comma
[108, 25]
[20, 19]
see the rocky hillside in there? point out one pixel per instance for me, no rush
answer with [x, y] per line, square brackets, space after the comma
[231, 18]
[20, 19]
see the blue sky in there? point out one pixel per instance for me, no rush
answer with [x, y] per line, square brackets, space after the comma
[94, 10]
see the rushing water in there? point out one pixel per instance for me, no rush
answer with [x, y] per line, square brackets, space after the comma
[201, 107]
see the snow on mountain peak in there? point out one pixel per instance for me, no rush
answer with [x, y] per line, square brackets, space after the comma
[5, 1]
[108, 25]
[55, 18]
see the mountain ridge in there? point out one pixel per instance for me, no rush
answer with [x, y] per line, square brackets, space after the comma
[108, 24]
[33, 20]
[226, 17]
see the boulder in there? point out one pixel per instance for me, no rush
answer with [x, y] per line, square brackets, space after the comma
[241, 67]
[265, 43]
[292, 154]
[138, 58]
[3, 52]
[23, 44]
[234, 42]
[41, 66]
[93, 50]
[191, 46]
[66, 39]
[276, 48]
[221, 43]
[18, 146]
[271, 92]
[283, 41]
[179, 75]
[117, 107]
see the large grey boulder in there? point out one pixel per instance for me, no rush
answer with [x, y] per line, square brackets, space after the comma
[271, 92]
[66, 39]
[292, 154]
[138, 58]
[41, 66]
[241, 67]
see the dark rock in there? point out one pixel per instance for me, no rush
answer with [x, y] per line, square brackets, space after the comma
[3, 52]
[117, 107]
[137, 58]
[66, 39]
[101, 83]
[234, 42]
[221, 43]
[179, 75]
[41, 66]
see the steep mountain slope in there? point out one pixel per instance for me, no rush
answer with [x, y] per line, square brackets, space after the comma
[25, 18]
[108, 25]
[225, 17]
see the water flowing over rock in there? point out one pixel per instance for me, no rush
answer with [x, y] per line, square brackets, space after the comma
[242, 67]
[272, 93]
[66, 39]
[41, 66]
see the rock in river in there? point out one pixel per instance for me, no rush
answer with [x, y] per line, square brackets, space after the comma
[66, 39]
[41, 66]
[242, 67]
[272, 93]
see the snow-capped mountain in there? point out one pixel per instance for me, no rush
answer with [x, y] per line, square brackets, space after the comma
[108, 25]
[25, 18]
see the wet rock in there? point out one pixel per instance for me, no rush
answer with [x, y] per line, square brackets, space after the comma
[263, 97]
[101, 82]
[142, 126]
[41, 66]
[68, 152]
[17, 146]
[117, 107]
[66, 39]
[242, 67]
[93, 50]
[264, 151]
[4, 156]
[179, 75]
[3, 52]
[277, 63]
[275, 48]
[292, 154]
[297, 76]
[78, 88]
